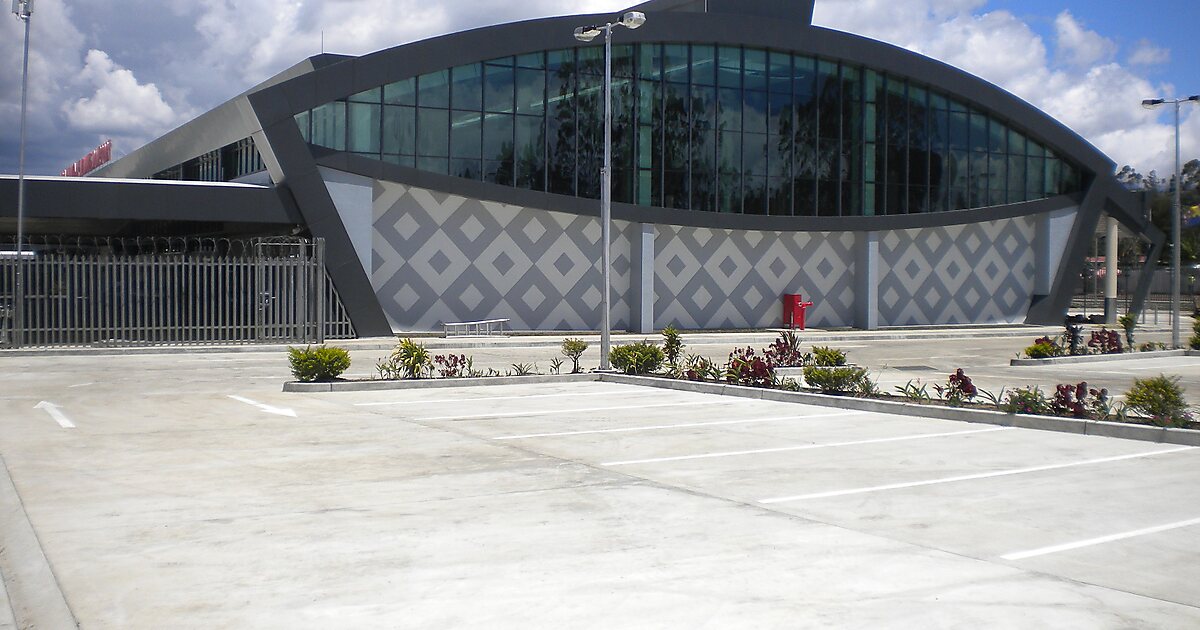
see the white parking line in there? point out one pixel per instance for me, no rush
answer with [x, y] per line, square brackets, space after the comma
[462, 400]
[805, 447]
[1000, 473]
[1021, 555]
[521, 414]
[688, 425]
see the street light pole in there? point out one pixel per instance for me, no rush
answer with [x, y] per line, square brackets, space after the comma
[631, 20]
[23, 9]
[1176, 213]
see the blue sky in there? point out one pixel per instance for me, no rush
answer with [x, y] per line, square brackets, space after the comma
[132, 75]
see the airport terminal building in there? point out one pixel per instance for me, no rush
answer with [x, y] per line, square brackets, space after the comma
[754, 155]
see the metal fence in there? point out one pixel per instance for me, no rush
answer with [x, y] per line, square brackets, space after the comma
[160, 291]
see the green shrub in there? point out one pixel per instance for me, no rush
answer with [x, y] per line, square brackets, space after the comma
[1026, 400]
[835, 379]
[1159, 398]
[637, 358]
[1151, 346]
[672, 345]
[825, 356]
[573, 349]
[1044, 348]
[1128, 322]
[698, 368]
[409, 360]
[1194, 342]
[323, 363]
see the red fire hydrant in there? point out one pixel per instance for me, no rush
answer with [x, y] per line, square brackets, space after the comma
[794, 308]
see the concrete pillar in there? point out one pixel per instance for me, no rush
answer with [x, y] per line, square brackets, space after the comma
[1110, 272]
[866, 281]
[1043, 274]
[641, 281]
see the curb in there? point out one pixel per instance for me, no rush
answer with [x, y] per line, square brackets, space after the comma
[1102, 358]
[539, 341]
[434, 383]
[1144, 433]
[35, 596]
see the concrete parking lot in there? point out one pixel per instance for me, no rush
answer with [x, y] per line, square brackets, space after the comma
[189, 492]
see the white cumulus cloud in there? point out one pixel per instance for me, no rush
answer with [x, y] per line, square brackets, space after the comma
[118, 104]
[1147, 54]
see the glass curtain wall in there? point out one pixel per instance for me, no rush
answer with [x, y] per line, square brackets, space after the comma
[700, 127]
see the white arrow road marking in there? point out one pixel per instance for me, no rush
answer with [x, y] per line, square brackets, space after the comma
[279, 411]
[79, 385]
[56, 413]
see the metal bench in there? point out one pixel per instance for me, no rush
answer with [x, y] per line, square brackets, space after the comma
[482, 328]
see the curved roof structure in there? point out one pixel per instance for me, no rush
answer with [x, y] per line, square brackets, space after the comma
[849, 166]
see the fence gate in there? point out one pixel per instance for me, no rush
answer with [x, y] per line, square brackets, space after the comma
[168, 291]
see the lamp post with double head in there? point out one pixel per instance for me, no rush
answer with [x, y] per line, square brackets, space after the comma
[1152, 103]
[23, 9]
[630, 20]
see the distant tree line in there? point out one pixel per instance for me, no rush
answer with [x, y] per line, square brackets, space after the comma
[1162, 197]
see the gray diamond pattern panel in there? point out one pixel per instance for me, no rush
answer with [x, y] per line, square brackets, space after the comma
[445, 258]
[439, 257]
[981, 273]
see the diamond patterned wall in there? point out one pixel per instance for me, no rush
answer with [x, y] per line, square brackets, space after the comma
[708, 278]
[439, 257]
[977, 274]
[444, 258]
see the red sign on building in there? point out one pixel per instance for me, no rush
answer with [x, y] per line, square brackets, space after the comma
[98, 157]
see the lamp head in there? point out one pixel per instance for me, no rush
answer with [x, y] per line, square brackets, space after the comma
[22, 8]
[586, 33]
[1151, 103]
[1194, 99]
[633, 19]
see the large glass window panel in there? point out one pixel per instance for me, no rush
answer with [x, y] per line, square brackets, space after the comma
[530, 152]
[401, 160]
[829, 97]
[997, 137]
[467, 87]
[498, 137]
[531, 91]
[675, 63]
[433, 89]
[401, 92]
[730, 154]
[329, 126]
[1035, 177]
[754, 194]
[399, 130]
[779, 114]
[780, 72]
[704, 65]
[561, 150]
[536, 61]
[650, 61]
[466, 169]
[979, 179]
[1016, 142]
[704, 171]
[675, 126]
[433, 132]
[755, 69]
[1016, 178]
[730, 192]
[499, 88]
[622, 61]
[498, 172]
[754, 111]
[675, 190]
[804, 76]
[704, 108]
[364, 128]
[960, 136]
[368, 96]
[466, 135]
[754, 153]
[779, 196]
[591, 60]
[730, 108]
[827, 198]
[804, 202]
[979, 131]
[779, 156]
[729, 60]
[1053, 183]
